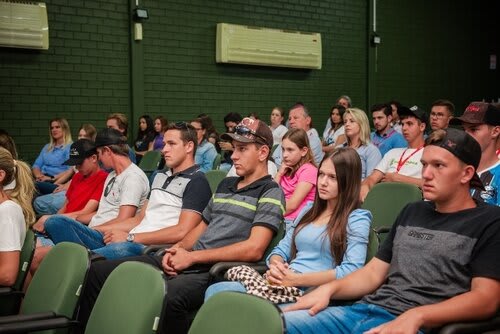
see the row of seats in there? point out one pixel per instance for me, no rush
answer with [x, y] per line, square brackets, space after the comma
[385, 201]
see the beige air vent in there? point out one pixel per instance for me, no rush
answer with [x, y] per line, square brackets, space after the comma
[267, 47]
[24, 24]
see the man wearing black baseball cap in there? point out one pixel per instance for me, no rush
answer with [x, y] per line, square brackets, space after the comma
[125, 190]
[82, 196]
[438, 265]
[481, 120]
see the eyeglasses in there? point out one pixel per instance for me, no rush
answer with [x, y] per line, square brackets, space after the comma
[437, 115]
[109, 186]
[244, 131]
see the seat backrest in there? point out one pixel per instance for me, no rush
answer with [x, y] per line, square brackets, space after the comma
[373, 245]
[214, 177]
[217, 161]
[57, 283]
[385, 200]
[233, 312]
[150, 161]
[130, 301]
[25, 258]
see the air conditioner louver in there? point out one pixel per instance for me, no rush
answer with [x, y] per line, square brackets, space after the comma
[267, 47]
[24, 25]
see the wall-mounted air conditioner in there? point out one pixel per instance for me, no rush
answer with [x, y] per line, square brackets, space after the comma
[24, 24]
[268, 47]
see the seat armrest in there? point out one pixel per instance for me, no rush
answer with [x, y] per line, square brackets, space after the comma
[36, 325]
[26, 317]
[4, 290]
[155, 249]
[472, 327]
[382, 229]
[218, 270]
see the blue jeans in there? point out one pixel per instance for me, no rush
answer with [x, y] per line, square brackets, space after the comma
[356, 318]
[45, 187]
[119, 250]
[224, 286]
[61, 228]
[49, 204]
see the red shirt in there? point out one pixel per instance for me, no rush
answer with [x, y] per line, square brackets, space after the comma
[81, 190]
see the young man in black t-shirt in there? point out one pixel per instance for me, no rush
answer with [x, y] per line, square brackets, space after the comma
[440, 263]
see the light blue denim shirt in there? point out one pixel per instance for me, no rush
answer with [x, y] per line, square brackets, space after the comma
[205, 156]
[51, 162]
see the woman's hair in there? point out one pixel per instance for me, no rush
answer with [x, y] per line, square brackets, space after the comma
[299, 137]
[7, 142]
[204, 125]
[208, 124]
[347, 98]
[66, 130]
[89, 130]
[360, 117]
[348, 171]
[341, 110]
[149, 133]
[23, 192]
[163, 122]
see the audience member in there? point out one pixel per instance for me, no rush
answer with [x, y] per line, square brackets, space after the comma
[344, 101]
[7, 142]
[277, 124]
[48, 168]
[402, 164]
[442, 112]
[297, 174]
[385, 137]
[161, 125]
[299, 118]
[205, 151]
[16, 213]
[145, 136]
[177, 199]
[230, 121]
[396, 123]
[82, 197]
[237, 225]
[125, 190]
[50, 204]
[357, 131]
[439, 264]
[482, 121]
[119, 122]
[213, 136]
[336, 135]
[330, 236]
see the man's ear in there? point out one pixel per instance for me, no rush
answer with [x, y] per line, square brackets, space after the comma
[468, 174]
[264, 152]
[189, 147]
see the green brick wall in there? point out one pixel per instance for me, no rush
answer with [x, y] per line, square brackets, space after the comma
[93, 67]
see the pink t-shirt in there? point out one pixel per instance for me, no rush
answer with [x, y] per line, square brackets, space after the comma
[306, 173]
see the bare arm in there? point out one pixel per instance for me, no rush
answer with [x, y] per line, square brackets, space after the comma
[63, 177]
[300, 192]
[353, 286]
[188, 220]
[481, 302]
[90, 207]
[9, 266]
[251, 249]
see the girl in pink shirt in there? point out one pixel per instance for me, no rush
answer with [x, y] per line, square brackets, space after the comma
[297, 174]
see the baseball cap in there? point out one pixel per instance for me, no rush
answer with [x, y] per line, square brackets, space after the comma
[108, 137]
[251, 131]
[464, 147]
[480, 113]
[79, 151]
[414, 111]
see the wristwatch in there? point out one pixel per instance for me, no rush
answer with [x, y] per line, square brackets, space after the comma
[130, 237]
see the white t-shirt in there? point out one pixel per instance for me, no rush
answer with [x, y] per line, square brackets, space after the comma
[131, 187]
[412, 166]
[278, 133]
[12, 227]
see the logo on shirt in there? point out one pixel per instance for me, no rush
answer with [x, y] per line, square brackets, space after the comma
[420, 235]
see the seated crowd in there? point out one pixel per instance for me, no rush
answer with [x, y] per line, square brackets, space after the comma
[439, 263]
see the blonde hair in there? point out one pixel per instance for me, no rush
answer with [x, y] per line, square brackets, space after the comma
[299, 137]
[23, 192]
[360, 117]
[67, 132]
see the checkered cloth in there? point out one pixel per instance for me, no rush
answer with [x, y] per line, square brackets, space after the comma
[257, 285]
